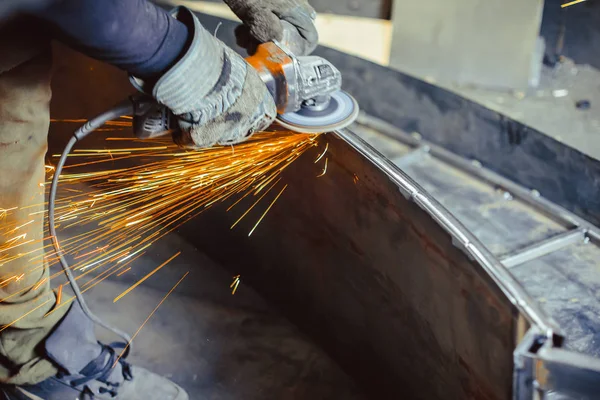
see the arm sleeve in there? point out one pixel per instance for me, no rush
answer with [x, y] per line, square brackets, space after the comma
[134, 35]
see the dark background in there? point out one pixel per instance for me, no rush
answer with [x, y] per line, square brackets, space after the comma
[581, 26]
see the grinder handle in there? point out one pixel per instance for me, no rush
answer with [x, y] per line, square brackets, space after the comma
[294, 42]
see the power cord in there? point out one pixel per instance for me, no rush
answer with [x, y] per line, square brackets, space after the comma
[124, 108]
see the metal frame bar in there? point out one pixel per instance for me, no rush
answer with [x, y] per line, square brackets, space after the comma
[543, 247]
[541, 369]
[411, 157]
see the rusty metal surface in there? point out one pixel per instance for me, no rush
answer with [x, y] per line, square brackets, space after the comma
[378, 282]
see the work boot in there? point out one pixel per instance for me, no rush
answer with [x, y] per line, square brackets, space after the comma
[89, 370]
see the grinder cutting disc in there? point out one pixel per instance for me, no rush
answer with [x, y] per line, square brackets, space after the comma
[341, 111]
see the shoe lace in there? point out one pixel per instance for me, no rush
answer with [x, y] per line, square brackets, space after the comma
[101, 373]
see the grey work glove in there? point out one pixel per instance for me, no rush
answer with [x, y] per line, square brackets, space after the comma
[217, 97]
[265, 21]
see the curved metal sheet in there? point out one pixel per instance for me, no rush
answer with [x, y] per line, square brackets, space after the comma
[461, 236]
[374, 269]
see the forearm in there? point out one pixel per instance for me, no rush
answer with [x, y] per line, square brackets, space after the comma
[134, 35]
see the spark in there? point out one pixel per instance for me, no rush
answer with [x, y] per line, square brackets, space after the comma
[24, 315]
[322, 154]
[99, 249]
[59, 295]
[16, 238]
[109, 272]
[234, 285]
[324, 169]
[7, 280]
[5, 211]
[40, 283]
[355, 179]
[83, 291]
[131, 255]
[251, 207]
[149, 316]
[138, 283]
[21, 226]
[127, 207]
[571, 3]
[267, 210]
[5, 249]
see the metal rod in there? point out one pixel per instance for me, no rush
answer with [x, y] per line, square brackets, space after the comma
[543, 247]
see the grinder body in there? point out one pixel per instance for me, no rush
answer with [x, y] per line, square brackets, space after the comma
[292, 80]
[306, 91]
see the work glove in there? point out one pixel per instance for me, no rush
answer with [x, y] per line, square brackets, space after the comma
[215, 95]
[290, 22]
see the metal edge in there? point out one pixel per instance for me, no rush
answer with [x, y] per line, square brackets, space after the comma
[524, 372]
[543, 247]
[541, 370]
[462, 238]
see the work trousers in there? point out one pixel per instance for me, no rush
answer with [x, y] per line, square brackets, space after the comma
[26, 297]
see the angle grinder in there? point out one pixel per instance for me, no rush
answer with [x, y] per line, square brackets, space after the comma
[306, 89]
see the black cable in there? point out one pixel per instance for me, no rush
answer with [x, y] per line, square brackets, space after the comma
[124, 108]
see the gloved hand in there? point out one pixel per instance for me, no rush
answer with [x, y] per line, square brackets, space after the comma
[216, 96]
[263, 23]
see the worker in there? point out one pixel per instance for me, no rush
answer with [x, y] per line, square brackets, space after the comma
[216, 97]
